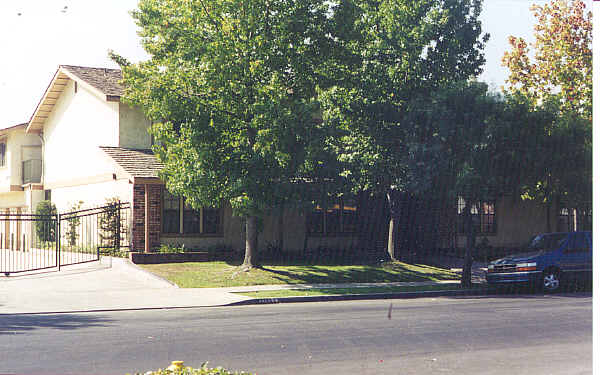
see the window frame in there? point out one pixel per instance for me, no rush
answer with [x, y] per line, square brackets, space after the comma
[485, 219]
[339, 207]
[3, 151]
[181, 210]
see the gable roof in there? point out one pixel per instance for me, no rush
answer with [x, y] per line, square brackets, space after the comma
[138, 163]
[103, 79]
[102, 82]
[13, 127]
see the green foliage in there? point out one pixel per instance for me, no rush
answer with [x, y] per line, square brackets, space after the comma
[112, 225]
[72, 232]
[46, 229]
[400, 49]
[169, 249]
[554, 74]
[231, 85]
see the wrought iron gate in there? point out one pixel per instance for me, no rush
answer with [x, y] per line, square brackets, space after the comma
[46, 242]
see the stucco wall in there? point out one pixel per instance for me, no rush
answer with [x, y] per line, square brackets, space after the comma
[92, 195]
[517, 221]
[78, 124]
[133, 128]
[12, 199]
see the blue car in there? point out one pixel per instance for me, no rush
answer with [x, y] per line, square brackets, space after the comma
[549, 260]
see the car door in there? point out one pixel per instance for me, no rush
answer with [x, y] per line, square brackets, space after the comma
[576, 255]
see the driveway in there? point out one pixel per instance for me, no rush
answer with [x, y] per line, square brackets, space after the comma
[111, 284]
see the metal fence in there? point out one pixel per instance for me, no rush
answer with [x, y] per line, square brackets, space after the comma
[31, 242]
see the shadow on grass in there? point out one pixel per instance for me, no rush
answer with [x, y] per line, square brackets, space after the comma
[21, 323]
[382, 273]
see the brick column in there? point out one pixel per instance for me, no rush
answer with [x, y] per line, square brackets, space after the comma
[139, 216]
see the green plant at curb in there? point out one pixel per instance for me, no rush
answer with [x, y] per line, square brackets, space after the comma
[46, 229]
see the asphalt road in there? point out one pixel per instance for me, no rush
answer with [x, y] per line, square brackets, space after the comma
[478, 335]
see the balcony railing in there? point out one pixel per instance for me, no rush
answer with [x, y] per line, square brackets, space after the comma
[32, 171]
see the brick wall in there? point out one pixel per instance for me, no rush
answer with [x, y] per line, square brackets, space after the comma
[139, 206]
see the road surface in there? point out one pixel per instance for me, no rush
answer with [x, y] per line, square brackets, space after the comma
[524, 334]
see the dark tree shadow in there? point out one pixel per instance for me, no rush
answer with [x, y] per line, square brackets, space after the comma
[21, 323]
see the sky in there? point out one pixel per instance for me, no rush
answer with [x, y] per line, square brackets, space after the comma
[38, 35]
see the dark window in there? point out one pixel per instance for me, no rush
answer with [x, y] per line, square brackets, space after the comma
[584, 218]
[170, 214]
[180, 218]
[338, 218]
[2, 153]
[565, 220]
[483, 214]
[211, 220]
[570, 219]
[191, 220]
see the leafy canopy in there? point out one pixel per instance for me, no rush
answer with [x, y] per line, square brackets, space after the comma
[231, 87]
[558, 65]
[400, 49]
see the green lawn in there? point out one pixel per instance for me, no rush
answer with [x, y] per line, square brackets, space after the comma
[222, 274]
[358, 290]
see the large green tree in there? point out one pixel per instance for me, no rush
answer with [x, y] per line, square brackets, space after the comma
[555, 73]
[484, 141]
[231, 86]
[396, 50]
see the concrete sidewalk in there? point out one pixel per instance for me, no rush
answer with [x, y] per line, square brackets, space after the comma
[117, 284]
[111, 284]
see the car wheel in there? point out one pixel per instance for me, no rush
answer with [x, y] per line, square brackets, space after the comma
[551, 280]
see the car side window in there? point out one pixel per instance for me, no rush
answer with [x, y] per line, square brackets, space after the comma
[578, 243]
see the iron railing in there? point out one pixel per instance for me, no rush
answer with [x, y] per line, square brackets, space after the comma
[37, 242]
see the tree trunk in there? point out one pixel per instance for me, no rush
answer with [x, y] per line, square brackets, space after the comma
[465, 280]
[394, 224]
[251, 242]
[280, 228]
[548, 215]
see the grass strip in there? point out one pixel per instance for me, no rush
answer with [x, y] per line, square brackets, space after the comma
[223, 274]
[342, 291]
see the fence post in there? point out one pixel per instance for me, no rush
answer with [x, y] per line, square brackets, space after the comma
[118, 228]
[58, 241]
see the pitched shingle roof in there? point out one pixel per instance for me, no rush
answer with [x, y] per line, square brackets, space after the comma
[12, 127]
[103, 79]
[141, 163]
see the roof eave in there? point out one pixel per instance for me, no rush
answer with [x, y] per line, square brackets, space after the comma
[55, 89]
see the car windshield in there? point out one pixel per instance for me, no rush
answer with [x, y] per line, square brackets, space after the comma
[546, 241]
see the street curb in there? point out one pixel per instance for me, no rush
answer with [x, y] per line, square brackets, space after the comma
[371, 296]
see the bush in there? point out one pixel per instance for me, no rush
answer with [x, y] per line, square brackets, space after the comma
[168, 249]
[46, 229]
[204, 370]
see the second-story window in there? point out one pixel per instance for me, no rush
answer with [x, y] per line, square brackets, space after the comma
[2, 153]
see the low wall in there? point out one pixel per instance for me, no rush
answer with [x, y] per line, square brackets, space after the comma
[192, 256]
